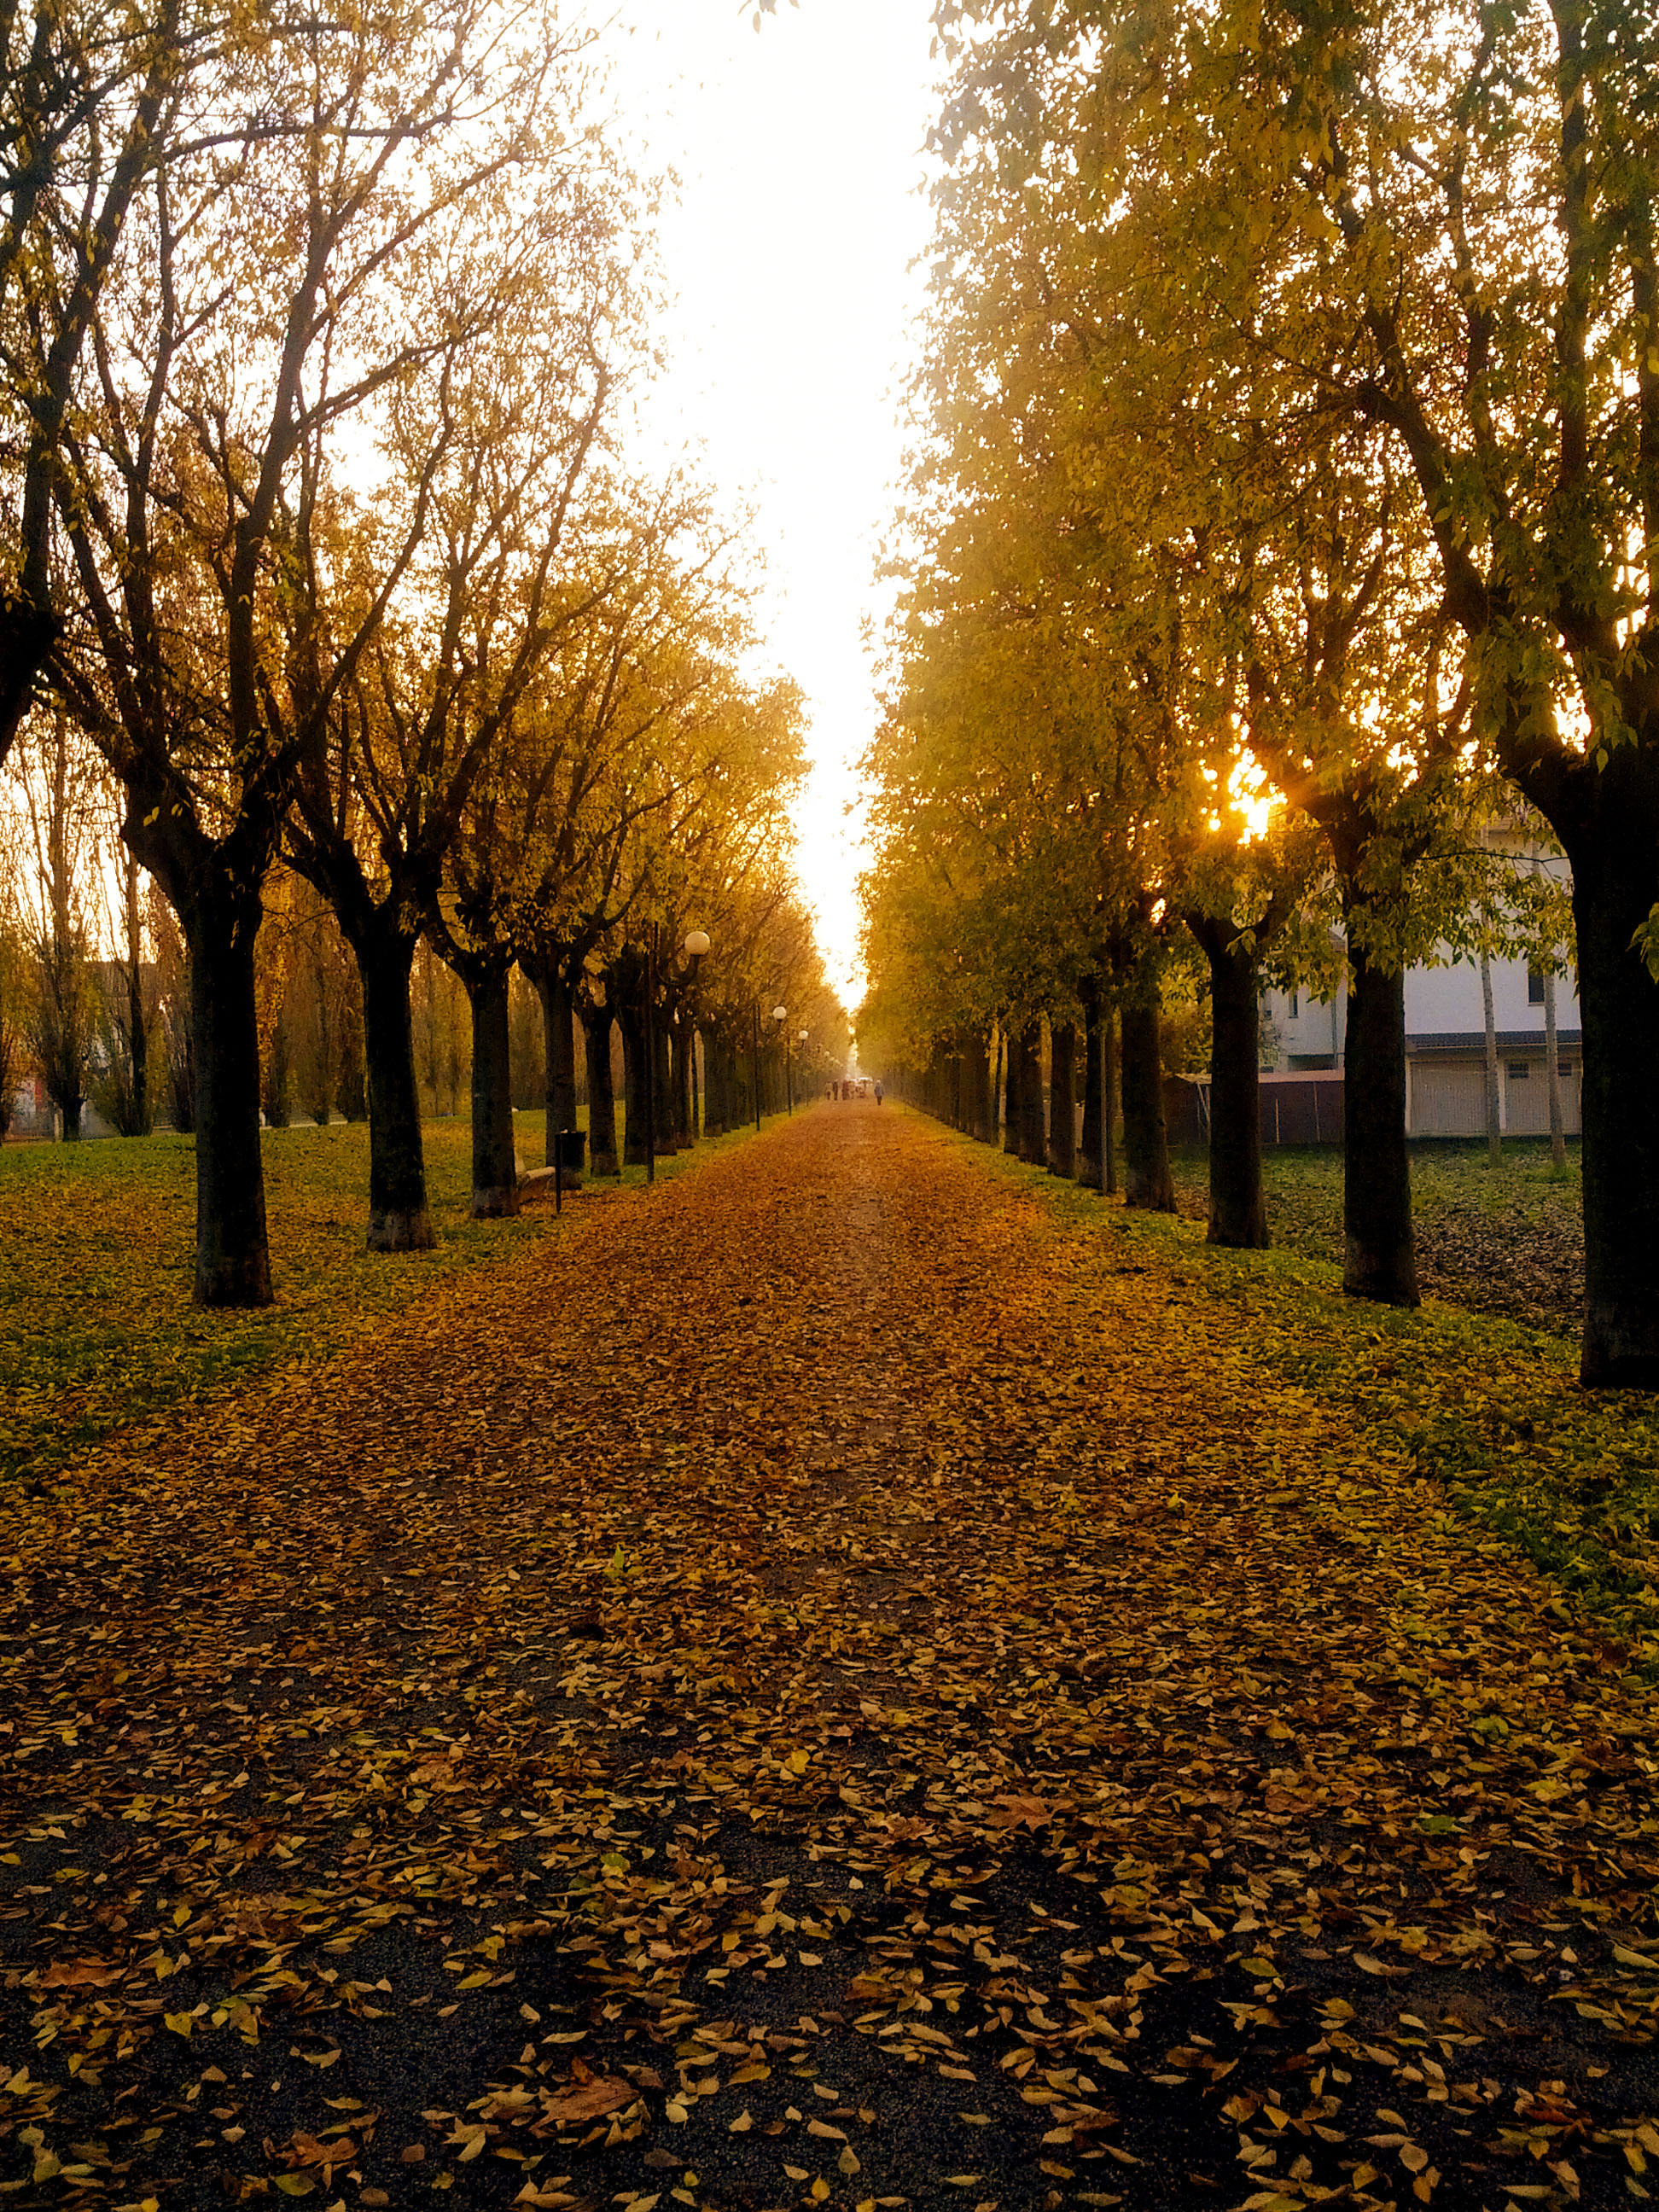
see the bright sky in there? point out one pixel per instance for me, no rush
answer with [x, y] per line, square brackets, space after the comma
[798, 148]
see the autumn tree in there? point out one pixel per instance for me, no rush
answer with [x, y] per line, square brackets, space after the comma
[408, 696]
[1442, 230]
[198, 462]
[91, 105]
[628, 686]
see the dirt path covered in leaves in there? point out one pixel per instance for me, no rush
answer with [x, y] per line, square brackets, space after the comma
[828, 1685]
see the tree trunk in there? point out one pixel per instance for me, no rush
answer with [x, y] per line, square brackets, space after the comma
[1012, 1066]
[637, 1111]
[1238, 1206]
[601, 1099]
[736, 1098]
[1614, 890]
[1034, 1127]
[1380, 1261]
[1062, 1098]
[558, 1029]
[1091, 1160]
[398, 1220]
[715, 1108]
[978, 1086]
[663, 1122]
[494, 1170]
[1494, 1095]
[1553, 1075]
[1111, 1097]
[1148, 1184]
[233, 1255]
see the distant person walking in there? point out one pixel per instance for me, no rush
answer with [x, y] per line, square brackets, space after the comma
[877, 1094]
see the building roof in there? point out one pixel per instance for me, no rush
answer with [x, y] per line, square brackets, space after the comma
[1475, 1040]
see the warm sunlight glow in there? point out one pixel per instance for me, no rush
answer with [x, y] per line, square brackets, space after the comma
[1254, 798]
[799, 151]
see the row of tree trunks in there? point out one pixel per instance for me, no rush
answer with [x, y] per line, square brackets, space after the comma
[1033, 1128]
[636, 1106]
[1063, 1099]
[1091, 1164]
[981, 1097]
[716, 1086]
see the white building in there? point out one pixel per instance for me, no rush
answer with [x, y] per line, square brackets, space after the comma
[1446, 1046]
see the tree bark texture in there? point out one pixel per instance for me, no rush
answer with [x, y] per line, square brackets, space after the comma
[1148, 1184]
[233, 1255]
[1613, 889]
[1238, 1206]
[1062, 1098]
[495, 1164]
[1381, 1257]
[398, 1217]
[601, 1099]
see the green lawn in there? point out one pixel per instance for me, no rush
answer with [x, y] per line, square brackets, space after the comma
[1509, 1240]
[97, 1260]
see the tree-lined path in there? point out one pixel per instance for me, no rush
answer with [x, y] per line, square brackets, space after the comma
[840, 1680]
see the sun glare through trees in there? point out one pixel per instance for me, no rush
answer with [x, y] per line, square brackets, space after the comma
[626, 1582]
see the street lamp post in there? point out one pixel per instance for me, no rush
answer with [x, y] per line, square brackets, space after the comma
[780, 1015]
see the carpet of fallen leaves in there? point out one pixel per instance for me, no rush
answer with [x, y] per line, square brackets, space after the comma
[833, 1682]
[98, 1262]
[1507, 1241]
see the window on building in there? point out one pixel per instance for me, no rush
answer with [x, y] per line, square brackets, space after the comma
[1534, 987]
[1566, 1067]
[1519, 1070]
[1296, 1005]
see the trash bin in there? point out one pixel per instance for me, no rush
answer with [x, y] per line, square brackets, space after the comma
[573, 1144]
